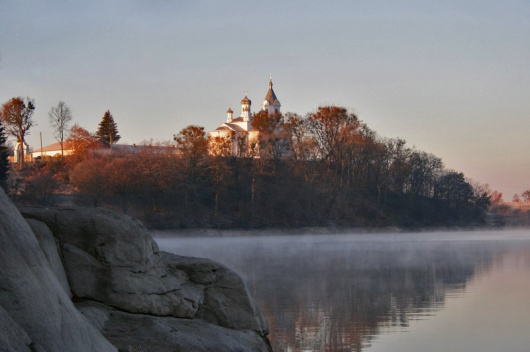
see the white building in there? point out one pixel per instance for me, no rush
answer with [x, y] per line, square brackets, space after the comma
[19, 148]
[101, 148]
[244, 137]
[52, 150]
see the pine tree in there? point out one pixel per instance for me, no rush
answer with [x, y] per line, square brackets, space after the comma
[108, 130]
[4, 162]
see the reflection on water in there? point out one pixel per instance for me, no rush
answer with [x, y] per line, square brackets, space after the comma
[356, 292]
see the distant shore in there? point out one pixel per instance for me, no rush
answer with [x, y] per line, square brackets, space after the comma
[237, 232]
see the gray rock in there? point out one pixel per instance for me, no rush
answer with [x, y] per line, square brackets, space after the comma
[138, 332]
[226, 300]
[12, 337]
[49, 246]
[32, 296]
[109, 237]
[149, 290]
[110, 258]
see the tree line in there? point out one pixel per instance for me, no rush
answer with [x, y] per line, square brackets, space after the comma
[326, 168]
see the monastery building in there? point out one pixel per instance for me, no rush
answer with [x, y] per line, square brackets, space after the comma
[239, 129]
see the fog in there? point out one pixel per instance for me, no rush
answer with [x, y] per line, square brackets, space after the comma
[244, 249]
[341, 291]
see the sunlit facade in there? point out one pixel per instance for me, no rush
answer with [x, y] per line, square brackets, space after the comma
[238, 131]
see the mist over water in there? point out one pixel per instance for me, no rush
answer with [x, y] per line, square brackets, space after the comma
[381, 292]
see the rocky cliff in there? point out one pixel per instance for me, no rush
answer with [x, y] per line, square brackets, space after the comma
[128, 295]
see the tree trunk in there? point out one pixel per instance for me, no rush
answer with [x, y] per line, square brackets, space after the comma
[22, 155]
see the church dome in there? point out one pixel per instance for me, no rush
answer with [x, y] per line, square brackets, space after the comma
[229, 111]
[246, 100]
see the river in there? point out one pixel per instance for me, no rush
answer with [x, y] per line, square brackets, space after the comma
[381, 292]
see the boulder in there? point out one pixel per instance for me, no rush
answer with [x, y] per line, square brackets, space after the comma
[111, 258]
[139, 332]
[12, 337]
[36, 313]
[49, 246]
[225, 298]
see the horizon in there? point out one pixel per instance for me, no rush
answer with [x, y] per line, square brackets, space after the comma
[449, 78]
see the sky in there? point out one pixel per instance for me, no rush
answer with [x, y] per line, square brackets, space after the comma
[450, 77]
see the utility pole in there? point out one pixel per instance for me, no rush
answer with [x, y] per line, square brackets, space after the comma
[41, 157]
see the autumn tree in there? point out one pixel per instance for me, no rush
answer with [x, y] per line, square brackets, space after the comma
[108, 129]
[4, 161]
[192, 143]
[17, 117]
[273, 140]
[220, 150]
[303, 146]
[60, 116]
[496, 198]
[79, 141]
[363, 158]
[157, 174]
[40, 186]
[122, 180]
[89, 179]
[334, 128]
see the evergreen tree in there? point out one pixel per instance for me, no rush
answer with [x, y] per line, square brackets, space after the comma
[108, 130]
[4, 162]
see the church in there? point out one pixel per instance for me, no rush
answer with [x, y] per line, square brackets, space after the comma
[244, 137]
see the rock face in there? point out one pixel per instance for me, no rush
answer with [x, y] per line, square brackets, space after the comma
[49, 246]
[36, 314]
[149, 333]
[111, 259]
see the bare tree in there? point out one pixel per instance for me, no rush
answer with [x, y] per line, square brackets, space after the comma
[60, 116]
[16, 115]
[526, 195]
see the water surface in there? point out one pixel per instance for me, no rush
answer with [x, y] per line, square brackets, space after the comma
[440, 291]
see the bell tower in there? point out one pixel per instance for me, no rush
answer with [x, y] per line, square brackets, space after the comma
[271, 104]
[245, 108]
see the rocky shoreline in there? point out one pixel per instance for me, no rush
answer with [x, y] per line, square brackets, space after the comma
[89, 279]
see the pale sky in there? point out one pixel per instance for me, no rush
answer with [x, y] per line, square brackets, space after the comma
[450, 77]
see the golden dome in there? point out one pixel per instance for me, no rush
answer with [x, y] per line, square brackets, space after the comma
[246, 100]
